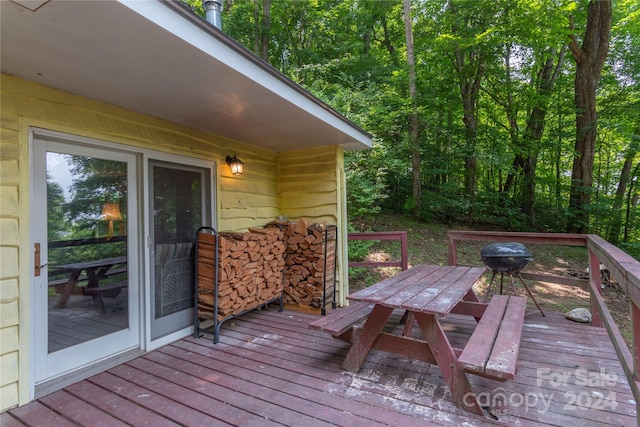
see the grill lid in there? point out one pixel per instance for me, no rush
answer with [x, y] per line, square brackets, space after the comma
[505, 257]
[505, 250]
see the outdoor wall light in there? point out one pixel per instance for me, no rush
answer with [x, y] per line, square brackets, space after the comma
[235, 164]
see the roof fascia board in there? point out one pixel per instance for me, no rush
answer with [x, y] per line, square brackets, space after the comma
[176, 18]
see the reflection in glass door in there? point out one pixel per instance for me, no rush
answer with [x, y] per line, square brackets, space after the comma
[179, 205]
[85, 302]
[87, 248]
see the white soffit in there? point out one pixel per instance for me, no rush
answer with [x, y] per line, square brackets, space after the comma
[157, 58]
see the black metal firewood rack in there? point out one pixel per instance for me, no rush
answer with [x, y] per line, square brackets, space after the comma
[208, 269]
[327, 238]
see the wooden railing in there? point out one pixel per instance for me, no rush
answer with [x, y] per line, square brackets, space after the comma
[624, 268]
[383, 235]
[86, 241]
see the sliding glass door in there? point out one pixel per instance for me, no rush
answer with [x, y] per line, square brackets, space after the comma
[85, 275]
[91, 299]
[179, 204]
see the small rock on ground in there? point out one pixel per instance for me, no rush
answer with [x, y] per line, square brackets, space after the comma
[581, 315]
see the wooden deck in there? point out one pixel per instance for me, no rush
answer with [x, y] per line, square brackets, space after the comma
[80, 321]
[270, 369]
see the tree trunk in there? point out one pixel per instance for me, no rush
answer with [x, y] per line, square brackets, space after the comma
[589, 62]
[265, 30]
[387, 41]
[470, 66]
[526, 160]
[535, 128]
[256, 26]
[470, 90]
[632, 201]
[616, 209]
[261, 28]
[413, 115]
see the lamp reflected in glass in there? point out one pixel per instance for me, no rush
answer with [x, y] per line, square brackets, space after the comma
[111, 212]
[235, 164]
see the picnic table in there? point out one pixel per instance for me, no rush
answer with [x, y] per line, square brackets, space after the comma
[428, 293]
[95, 271]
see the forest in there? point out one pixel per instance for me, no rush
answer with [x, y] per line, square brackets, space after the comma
[520, 115]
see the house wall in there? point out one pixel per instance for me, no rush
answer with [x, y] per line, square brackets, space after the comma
[308, 187]
[265, 190]
[311, 186]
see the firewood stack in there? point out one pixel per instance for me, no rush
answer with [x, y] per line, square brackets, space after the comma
[250, 271]
[304, 273]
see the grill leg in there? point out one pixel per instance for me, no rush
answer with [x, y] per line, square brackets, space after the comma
[530, 294]
[513, 284]
[486, 295]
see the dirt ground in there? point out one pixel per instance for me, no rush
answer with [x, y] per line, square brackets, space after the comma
[428, 245]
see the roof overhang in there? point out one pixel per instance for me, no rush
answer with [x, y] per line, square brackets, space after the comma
[159, 59]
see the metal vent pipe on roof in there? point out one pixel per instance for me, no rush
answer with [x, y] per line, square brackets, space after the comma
[213, 10]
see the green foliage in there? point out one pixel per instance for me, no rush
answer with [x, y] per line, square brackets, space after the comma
[358, 249]
[95, 181]
[445, 206]
[352, 55]
[195, 6]
[632, 248]
[366, 190]
[57, 225]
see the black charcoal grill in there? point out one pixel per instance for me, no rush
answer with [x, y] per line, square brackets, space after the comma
[505, 257]
[510, 258]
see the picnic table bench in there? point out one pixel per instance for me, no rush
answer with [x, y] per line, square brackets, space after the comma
[341, 322]
[492, 350]
[427, 294]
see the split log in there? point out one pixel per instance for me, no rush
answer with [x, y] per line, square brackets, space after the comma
[296, 260]
[250, 269]
[305, 274]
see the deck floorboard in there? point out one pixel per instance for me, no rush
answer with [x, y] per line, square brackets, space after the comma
[270, 369]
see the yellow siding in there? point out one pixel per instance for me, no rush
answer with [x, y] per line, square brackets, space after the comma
[9, 259]
[9, 338]
[249, 200]
[309, 184]
[311, 188]
[242, 202]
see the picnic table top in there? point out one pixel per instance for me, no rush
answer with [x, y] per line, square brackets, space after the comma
[431, 289]
[79, 266]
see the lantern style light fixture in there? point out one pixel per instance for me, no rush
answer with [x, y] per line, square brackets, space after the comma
[235, 164]
[111, 212]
